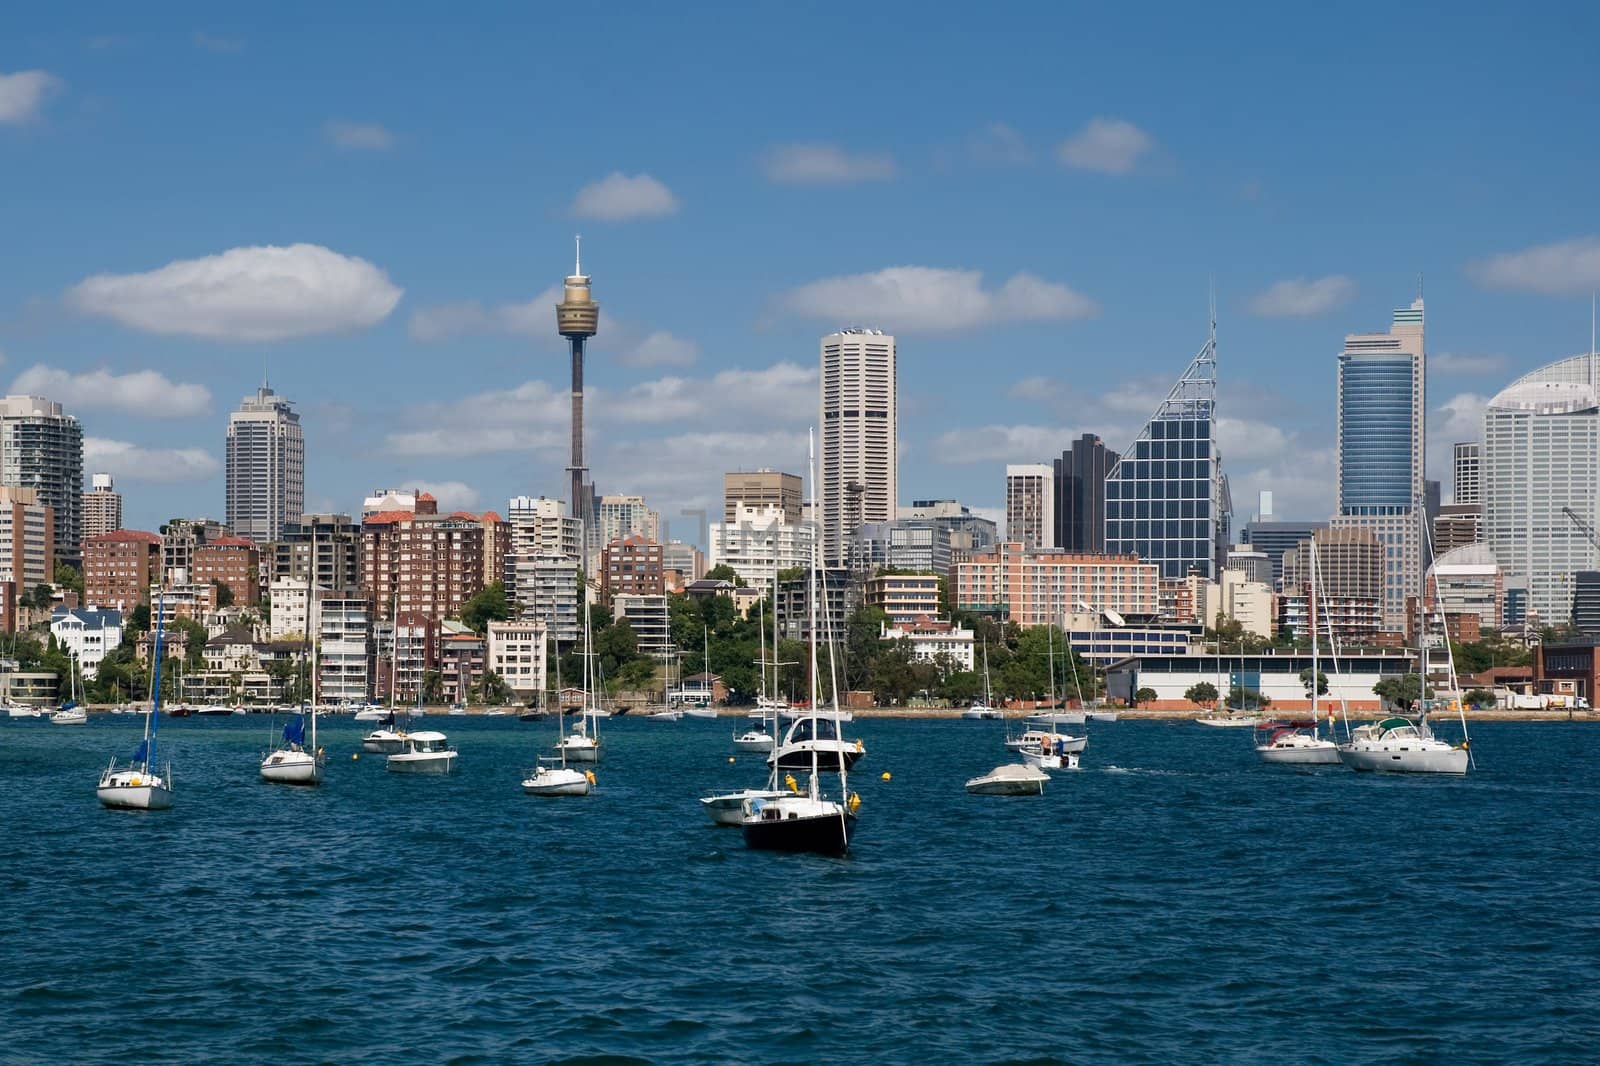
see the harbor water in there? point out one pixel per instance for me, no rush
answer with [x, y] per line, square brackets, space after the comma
[1173, 900]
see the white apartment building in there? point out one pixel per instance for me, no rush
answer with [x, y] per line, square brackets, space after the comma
[516, 652]
[933, 642]
[759, 544]
[343, 664]
[266, 469]
[289, 599]
[1237, 597]
[1031, 504]
[86, 634]
[858, 415]
[547, 592]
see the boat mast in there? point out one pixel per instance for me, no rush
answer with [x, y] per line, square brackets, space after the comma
[311, 576]
[1316, 663]
[155, 688]
[811, 613]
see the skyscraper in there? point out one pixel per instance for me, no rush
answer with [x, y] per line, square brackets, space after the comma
[1468, 483]
[41, 447]
[1080, 494]
[102, 507]
[266, 466]
[1379, 455]
[1030, 505]
[1541, 458]
[858, 418]
[1166, 497]
[761, 488]
[578, 319]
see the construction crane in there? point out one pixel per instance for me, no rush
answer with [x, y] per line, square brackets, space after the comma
[1583, 527]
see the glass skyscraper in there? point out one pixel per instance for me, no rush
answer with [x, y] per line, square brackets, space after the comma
[1167, 497]
[1380, 450]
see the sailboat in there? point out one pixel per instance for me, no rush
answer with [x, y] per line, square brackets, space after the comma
[1298, 745]
[137, 786]
[298, 760]
[699, 705]
[1397, 744]
[553, 777]
[806, 821]
[1230, 718]
[1051, 750]
[73, 711]
[387, 739]
[983, 710]
[756, 738]
[579, 746]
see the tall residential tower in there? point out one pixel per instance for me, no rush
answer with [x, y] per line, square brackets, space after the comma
[41, 447]
[266, 475]
[1379, 454]
[858, 418]
[102, 507]
[578, 319]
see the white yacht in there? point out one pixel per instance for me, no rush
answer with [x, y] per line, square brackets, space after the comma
[1230, 719]
[816, 736]
[1295, 745]
[298, 760]
[552, 778]
[1039, 738]
[756, 738]
[424, 752]
[1010, 779]
[136, 786]
[18, 710]
[1399, 745]
[727, 808]
[983, 710]
[1050, 758]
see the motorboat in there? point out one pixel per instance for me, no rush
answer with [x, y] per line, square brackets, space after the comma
[817, 735]
[1038, 738]
[1399, 745]
[424, 752]
[665, 714]
[1010, 779]
[1231, 720]
[756, 738]
[1296, 744]
[385, 740]
[214, 710]
[554, 778]
[17, 710]
[727, 808]
[370, 713]
[1050, 759]
[137, 786]
[697, 711]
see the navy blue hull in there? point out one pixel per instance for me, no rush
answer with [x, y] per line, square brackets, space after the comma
[823, 835]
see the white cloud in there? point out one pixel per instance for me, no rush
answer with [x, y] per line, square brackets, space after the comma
[138, 392]
[133, 462]
[357, 135]
[673, 473]
[1565, 268]
[533, 318]
[1000, 144]
[916, 299]
[1458, 364]
[1002, 444]
[1138, 398]
[263, 293]
[23, 94]
[1106, 145]
[211, 42]
[1247, 440]
[451, 495]
[661, 349]
[1458, 419]
[1303, 297]
[618, 198]
[824, 164]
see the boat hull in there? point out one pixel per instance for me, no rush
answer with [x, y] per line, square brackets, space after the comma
[830, 759]
[580, 753]
[1010, 786]
[558, 783]
[760, 743]
[1241, 722]
[1069, 744]
[1305, 755]
[823, 834]
[1052, 761]
[422, 762]
[291, 768]
[69, 718]
[134, 792]
[1399, 758]
[728, 808]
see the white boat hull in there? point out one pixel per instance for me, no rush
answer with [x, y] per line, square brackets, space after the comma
[1045, 721]
[1231, 721]
[291, 768]
[23, 712]
[1402, 757]
[132, 791]
[72, 717]
[575, 749]
[1035, 738]
[1014, 779]
[753, 742]
[1319, 753]
[728, 808]
[558, 781]
[1102, 716]
[1052, 761]
[383, 742]
[699, 712]
[422, 762]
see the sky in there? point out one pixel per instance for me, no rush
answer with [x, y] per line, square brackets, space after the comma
[371, 207]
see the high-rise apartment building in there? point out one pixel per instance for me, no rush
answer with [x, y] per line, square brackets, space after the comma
[41, 448]
[266, 466]
[1080, 494]
[233, 563]
[1468, 460]
[1034, 588]
[542, 527]
[337, 538]
[547, 592]
[631, 566]
[1030, 505]
[1541, 459]
[858, 416]
[618, 516]
[120, 567]
[429, 565]
[102, 507]
[1380, 449]
[760, 489]
[27, 546]
[760, 543]
[1350, 577]
[1166, 496]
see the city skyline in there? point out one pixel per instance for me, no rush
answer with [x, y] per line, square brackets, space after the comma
[430, 359]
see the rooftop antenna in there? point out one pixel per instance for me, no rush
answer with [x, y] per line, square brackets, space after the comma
[1419, 284]
[577, 255]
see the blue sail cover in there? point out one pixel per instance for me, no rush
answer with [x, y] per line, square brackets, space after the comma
[69, 705]
[295, 731]
[142, 751]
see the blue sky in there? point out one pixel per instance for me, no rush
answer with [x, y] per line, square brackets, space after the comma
[1032, 198]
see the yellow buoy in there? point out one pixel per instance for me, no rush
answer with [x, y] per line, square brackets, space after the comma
[884, 776]
[730, 758]
[354, 755]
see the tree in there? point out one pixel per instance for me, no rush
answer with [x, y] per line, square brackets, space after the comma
[1479, 697]
[432, 686]
[139, 618]
[194, 636]
[1402, 691]
[492, 689]
[489, 605]
[1322, 681]
[224, 592]
[1203, 694]
[724, 572]
[1247, 699]
[43, 596]
[1144, 695]
[70, 577]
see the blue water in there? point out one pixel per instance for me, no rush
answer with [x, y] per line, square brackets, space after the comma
[1174, 900]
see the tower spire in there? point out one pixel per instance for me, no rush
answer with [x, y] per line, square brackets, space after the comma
[577, 255]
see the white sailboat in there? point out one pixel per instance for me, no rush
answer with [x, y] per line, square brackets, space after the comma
[73, 712]
[387, 739]
[579, 745]
[756, 738]
[298, 760]
[1042, 744]
[1298, 745]
[805, 821]
[136, 786]
[983, 710]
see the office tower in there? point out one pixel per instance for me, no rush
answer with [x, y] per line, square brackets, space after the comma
[1541, 482]
[1166, 496]
[41, 447]
[1080, 494]
[102, 507]
[1468, 482]
[1030, 505]
[1379, 454]
[760, 489]
[966, 532]
[266, 474]
[858, 419]
[578, 319]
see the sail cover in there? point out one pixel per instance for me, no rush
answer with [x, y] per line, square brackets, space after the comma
[142, 751]
[295, 731]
